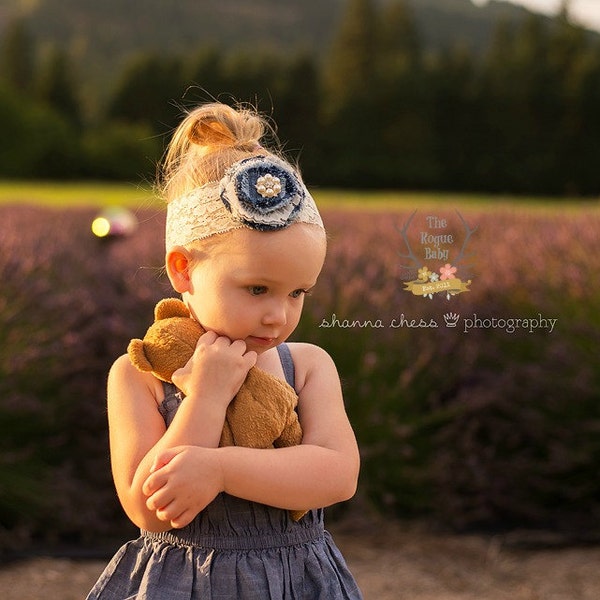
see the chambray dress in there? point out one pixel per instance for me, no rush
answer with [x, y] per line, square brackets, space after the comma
[233, 550]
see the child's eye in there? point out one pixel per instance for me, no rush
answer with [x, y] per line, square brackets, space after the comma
[257, 290]
[298, 293]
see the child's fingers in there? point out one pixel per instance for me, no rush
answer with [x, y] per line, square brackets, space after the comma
[157, 477]
[183, 519]
[153, 483]
[160, 502]
[175, 514]
[250, 357]
[207, 337]
[166, 513]
[164, 457]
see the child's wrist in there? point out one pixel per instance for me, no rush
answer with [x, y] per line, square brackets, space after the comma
[222, 457]
[210, 405]
[203, 419]
[211, 398]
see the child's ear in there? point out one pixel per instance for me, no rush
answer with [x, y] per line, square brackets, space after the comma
[178, 268]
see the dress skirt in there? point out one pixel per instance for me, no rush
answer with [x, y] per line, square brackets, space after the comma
[234, 549]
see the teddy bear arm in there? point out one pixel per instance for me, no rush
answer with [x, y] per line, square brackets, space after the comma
[254, 422]
[291, 434]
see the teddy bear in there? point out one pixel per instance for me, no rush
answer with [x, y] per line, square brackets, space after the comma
[263, 412]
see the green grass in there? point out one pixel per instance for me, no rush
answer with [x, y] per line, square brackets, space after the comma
[407, 200]
[77, 194]
[136, 196]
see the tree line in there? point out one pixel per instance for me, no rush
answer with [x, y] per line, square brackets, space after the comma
[377, 111]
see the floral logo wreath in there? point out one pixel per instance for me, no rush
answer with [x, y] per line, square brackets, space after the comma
[428, 283]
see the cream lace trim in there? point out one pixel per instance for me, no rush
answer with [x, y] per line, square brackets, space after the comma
[201, 213]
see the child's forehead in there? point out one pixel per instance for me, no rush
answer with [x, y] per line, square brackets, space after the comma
[297, 251]
[253, 242]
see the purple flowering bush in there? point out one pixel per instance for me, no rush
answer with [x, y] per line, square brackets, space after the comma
[485, 426]
[471, 426]
[69, 303]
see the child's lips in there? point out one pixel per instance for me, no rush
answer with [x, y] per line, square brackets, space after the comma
[262, 341]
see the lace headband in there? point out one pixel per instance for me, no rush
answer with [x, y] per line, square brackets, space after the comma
[260, 192]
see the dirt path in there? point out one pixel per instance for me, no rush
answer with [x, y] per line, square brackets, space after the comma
[400, 564]
[390, 562]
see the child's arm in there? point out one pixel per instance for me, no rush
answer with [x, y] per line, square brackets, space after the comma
[137, 430]
[321, 471]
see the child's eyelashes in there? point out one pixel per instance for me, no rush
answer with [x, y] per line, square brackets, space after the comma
[300, 292]
[258, 290]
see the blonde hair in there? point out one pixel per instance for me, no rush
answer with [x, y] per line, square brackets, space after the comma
[207, 142]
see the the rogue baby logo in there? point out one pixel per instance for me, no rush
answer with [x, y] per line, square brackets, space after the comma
[433, 269]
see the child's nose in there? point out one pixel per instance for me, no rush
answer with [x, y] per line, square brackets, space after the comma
[275, 314]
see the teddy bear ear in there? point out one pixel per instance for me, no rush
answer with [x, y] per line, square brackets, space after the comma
[170, 307]
[137, 356]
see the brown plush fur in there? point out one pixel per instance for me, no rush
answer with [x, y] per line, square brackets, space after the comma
[262, 415]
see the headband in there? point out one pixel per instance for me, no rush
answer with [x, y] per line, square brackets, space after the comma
[260, 192]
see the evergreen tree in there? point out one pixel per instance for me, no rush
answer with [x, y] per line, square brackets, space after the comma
[581, 149]
[536, 110]
[297, 111]
[16, 57]
[37, 142]
[147, 92]
[573, 67]
[253, 78]
[204, 73]
[404, 101]
[56, 86]
[515, 106]
[567, 45]
[399, 41]
[351, 64]
[461, 145]
[498, 61]
[351, 124]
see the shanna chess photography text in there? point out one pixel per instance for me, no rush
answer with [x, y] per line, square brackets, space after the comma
[451, 320]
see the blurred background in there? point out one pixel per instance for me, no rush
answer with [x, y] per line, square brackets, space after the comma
[390, 106]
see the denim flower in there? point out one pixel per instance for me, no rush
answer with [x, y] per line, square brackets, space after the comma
[263, 193]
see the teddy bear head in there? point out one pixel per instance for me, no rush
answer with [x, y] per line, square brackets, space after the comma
[169, 342]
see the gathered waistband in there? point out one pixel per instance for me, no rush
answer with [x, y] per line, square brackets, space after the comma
[183, 537]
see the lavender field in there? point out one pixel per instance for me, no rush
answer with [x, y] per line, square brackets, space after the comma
[492, 422]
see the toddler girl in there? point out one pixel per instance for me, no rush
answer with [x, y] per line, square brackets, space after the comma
[245, 244]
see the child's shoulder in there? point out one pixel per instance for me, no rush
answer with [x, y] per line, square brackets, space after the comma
[124, 376]
[311, 360]
[306, 351]
[123, 367]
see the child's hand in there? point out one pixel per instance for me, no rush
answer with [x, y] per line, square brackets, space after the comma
[217, 368]
[183, 481]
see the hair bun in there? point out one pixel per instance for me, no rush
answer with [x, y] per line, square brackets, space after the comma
[221, 125]
[210, 139]
[211, 133]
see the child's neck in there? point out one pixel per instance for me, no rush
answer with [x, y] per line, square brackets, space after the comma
[269, 361]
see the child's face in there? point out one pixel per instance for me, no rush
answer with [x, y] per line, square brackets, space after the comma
[252, 286]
